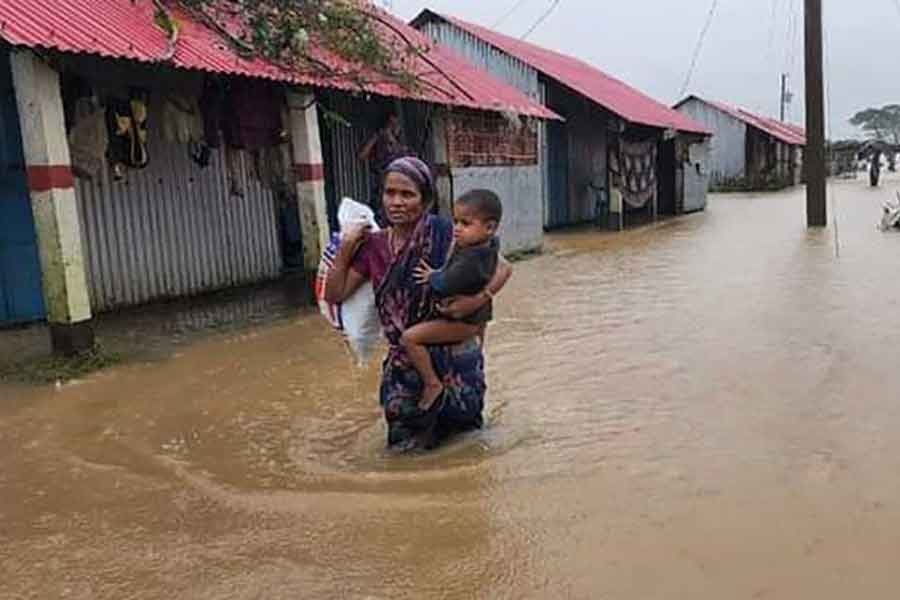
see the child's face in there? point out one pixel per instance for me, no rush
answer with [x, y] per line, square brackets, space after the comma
[470, 228]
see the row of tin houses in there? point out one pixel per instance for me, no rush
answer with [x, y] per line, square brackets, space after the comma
[132, 171]
[748, 151]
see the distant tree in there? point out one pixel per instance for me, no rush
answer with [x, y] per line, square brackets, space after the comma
[882, 124]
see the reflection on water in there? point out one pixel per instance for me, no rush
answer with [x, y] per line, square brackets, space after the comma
[703, 409]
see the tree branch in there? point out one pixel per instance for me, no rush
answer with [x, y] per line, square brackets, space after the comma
[419, 52]
[168, 24]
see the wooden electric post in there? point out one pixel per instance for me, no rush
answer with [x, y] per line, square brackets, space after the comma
[784, 96]
[814, 157]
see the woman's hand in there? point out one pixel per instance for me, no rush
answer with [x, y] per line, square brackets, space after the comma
[422, 273]
[354, 235]
[460, 307]
[342, 280]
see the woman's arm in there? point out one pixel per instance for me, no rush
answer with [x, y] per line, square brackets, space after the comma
[342, 279]
[366, 152]
[464, 306]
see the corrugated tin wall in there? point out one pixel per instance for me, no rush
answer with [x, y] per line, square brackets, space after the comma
[419, 122]
[544, 141]
[508, 69]
[696, 177]
[728, 149]
[483, 55]
[346, 174]
[522, 229]
[173, 229]
[588, 138]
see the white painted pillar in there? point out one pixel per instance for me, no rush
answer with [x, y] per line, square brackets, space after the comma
[52, 188]
[309, 170]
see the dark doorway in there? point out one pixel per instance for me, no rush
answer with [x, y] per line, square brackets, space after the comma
[667, 178]
[558, 167]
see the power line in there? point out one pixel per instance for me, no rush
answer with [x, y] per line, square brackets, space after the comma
[508, 13]
[699, 47]
[543, 18]
[792, 40]
[770, 47]
[792, 36]
[788, 37]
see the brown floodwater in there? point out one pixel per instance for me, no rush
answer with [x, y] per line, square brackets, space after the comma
[703, 409]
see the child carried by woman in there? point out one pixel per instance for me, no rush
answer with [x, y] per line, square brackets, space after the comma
[472, 263]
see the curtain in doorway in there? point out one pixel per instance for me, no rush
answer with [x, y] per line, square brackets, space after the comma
[638, 172]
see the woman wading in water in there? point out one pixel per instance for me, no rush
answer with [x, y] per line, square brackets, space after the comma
[389, 260]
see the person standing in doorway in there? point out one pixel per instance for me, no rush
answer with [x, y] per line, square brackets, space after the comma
[383, 147]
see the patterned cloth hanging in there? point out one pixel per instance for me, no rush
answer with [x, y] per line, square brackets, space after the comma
[638, 173]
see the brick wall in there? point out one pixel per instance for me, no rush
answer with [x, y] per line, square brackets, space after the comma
[482, 139]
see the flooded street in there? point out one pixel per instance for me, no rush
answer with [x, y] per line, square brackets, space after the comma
[705, 409]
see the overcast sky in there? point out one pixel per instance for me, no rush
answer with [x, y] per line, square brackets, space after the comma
[649, 44]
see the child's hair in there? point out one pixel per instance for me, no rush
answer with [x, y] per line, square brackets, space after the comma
[485, 203]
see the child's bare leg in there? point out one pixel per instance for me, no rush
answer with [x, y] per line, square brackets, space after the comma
[416, 338]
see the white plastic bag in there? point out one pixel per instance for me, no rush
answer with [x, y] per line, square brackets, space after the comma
[357, 317]
[890, 217]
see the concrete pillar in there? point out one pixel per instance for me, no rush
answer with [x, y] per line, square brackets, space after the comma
[309, 170]
[51, 183]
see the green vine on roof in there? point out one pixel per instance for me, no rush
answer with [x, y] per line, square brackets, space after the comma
[290, 33]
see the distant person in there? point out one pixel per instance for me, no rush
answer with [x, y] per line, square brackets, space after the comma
[875, 168]
[384, 146]
[471, 266]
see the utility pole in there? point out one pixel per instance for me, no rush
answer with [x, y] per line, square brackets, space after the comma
[784, 93]
[814, 157]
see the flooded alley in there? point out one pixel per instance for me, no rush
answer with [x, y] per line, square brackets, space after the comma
[701, 409]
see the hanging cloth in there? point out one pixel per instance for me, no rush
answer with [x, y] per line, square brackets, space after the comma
[234, 169]
[139, 156]
[253, 120]
[269, 167]
[638, 173]
[120, 128]
[126, 122]
[212, 107]
[88, 139]
[182, 121]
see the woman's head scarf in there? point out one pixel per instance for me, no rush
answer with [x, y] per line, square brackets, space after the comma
[416, 170]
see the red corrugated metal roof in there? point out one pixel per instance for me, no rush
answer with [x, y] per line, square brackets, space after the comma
[785, 132]
[798, 129]
[589, 81]
[789, 134]
[125, 29]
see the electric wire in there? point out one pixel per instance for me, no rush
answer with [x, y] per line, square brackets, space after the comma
[519, 4]
[541, 20]
[705, 29]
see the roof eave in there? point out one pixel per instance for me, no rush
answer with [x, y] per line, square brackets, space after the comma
[425, 16]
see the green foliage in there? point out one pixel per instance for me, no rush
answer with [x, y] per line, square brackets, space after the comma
[768, 182]
[882, 124]
[289, 33]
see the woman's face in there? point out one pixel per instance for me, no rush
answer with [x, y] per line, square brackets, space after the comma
[403, 200]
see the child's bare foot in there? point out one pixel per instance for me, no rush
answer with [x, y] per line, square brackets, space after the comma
[430, 395]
